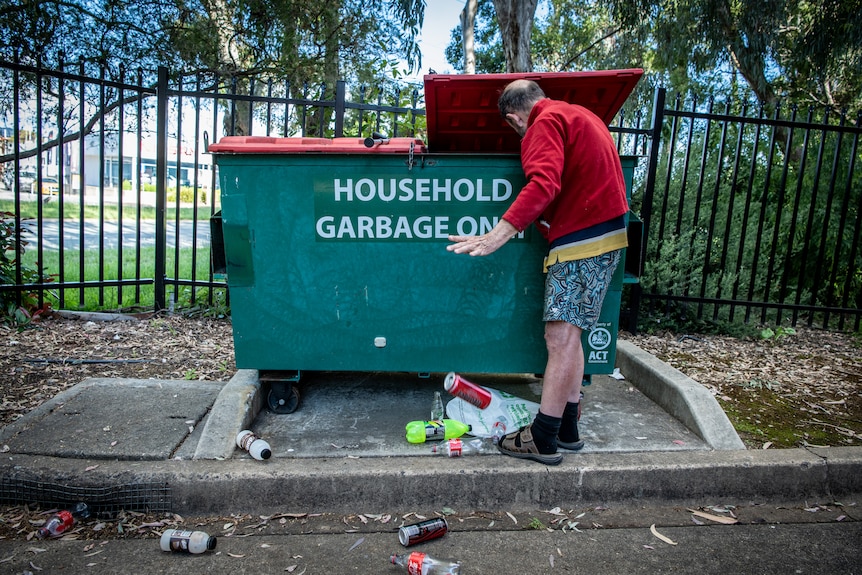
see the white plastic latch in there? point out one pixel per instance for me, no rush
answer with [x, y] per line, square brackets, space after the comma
[379, 342]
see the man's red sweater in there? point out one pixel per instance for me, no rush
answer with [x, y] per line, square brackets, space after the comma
[574, 176]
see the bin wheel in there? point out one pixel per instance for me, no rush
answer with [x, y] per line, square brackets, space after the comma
[282, 398]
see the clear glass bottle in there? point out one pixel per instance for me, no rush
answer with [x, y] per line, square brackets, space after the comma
[437, 410]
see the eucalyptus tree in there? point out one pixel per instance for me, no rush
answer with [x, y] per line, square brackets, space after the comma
[802, 51]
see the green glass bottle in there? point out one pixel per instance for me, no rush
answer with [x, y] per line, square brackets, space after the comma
[435, 430]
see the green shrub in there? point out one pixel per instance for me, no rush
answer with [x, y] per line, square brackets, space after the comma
[16, 310]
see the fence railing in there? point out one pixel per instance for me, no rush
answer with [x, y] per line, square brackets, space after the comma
[113, 186]
[748, 214]
[756, 213]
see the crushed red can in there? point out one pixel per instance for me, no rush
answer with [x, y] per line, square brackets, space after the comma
[467, 390]
[423, 531]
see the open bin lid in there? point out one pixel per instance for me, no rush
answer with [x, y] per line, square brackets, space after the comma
[271, 145]
[461, 110]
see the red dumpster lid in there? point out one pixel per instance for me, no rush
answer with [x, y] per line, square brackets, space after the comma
[461, 110]
[269, 145]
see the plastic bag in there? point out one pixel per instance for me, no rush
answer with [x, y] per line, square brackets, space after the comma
[511, 411]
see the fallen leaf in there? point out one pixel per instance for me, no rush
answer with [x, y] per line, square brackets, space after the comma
[357, 544]
[91, 468]
[655, 532]
[679, 441]
[551, 560]
[716, 518]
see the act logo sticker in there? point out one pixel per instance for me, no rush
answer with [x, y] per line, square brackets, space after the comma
[599, 340]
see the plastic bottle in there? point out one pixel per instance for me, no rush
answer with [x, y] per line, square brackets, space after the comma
[61, 521]
[418, 563]
[437, 410]
[257, 447]
[181, 541]
[435, 430]
[457, 447]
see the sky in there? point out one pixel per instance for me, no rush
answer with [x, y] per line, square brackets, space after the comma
[440, 17]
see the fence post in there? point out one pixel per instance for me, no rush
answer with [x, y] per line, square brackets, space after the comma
[340, 95]
[161, 188]
[649, 193]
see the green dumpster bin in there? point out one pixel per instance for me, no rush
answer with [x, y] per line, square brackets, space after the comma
[336, 252]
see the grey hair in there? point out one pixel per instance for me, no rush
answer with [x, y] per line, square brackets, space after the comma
[519, 96]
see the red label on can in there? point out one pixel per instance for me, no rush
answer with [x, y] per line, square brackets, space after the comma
[468, 391]
[414, 563]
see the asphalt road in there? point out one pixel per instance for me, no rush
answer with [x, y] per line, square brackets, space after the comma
[763, 549]
[109, 235]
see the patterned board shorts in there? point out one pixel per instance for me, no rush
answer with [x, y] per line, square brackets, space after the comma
[575, 290]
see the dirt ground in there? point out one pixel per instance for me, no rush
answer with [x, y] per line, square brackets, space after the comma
[794, 390]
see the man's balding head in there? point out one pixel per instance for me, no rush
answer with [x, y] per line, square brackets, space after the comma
[519, 96]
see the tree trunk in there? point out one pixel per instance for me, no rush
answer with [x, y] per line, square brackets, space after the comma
[515, 18]
[468, 21]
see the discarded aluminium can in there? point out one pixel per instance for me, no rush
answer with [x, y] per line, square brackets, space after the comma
[423, 531]
[466, 390]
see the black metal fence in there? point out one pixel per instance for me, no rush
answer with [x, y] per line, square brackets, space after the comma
[755, 215]
[748, 214]
[112, 185]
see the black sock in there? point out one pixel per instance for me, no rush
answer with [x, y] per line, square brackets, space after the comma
[569, 425]
[545, 429]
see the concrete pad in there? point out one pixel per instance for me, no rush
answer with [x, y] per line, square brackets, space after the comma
[679, 395]
[125, 419]
[364, 414]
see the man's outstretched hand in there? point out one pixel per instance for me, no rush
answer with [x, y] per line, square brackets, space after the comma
[486, 243]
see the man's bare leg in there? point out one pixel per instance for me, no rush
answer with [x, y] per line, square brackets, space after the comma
[564, 372]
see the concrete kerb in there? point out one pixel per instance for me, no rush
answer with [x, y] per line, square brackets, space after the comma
[350, 485]
[679, 395]
[234, 409]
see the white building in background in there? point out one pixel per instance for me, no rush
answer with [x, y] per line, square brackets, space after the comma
[183, 165]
